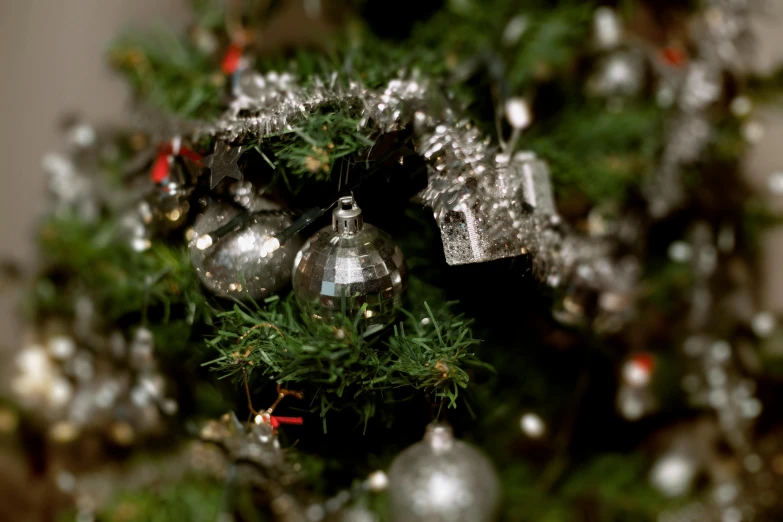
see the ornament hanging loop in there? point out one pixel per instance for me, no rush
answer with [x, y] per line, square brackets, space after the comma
[347, 217]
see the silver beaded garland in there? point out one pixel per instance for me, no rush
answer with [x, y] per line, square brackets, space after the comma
[441, 479]
[348, 265]
[241, 263]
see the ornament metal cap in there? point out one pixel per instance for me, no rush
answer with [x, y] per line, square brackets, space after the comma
[347, 217]
[440, 437]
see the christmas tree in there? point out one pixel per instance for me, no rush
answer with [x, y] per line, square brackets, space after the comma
[453, 261]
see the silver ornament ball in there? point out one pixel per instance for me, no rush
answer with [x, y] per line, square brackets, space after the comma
[241, 264]
[350, 264]
[153, 216]
[441, 479]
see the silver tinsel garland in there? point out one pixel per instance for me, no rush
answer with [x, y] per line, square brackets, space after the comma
[86, 384]
[468, 189]
[488, 204]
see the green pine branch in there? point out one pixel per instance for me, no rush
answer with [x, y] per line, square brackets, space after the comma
[309, 151]
[93, 259]
[170, 72]
[337, 365]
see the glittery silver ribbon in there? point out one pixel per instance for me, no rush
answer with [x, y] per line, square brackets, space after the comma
[722, 26]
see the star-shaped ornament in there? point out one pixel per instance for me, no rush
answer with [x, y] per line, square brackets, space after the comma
[223, 163]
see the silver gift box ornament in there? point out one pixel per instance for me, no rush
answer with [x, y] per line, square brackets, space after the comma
[523, 190]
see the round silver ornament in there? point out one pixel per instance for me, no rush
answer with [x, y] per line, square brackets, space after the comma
[242, 263]
[441, 479]
[350, 264]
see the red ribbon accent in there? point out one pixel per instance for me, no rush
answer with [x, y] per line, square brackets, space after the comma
[231, 59]
[645, 360]
[674, 56]
[276, 421]
[161, 167]
[191, 154]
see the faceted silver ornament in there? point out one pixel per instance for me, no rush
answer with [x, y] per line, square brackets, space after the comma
[241, 263]
[441, 479]
[350, 264]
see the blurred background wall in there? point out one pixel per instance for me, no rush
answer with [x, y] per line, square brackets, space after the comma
[52, 58]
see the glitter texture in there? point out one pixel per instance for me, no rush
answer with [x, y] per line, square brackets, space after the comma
[442, 479]
[237, 264]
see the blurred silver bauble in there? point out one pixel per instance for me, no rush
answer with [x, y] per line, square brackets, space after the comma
[241, 263]
[441, 479]
[350, 264]
[150, 217]
[619, 74]
[357, 514]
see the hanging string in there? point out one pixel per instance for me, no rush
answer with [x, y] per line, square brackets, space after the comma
[266, 415]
